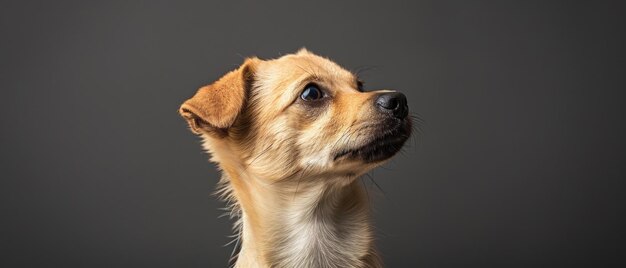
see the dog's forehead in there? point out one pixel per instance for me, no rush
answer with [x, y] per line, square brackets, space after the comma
[304, 63]
[279, 81]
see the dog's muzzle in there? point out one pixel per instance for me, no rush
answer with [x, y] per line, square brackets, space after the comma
[390, 134]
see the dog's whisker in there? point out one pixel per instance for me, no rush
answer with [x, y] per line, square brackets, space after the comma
[385, 168]
[343, 135]
[241, 56]
[362, 69]
[347, 133]
[375, 184]
[367, 193]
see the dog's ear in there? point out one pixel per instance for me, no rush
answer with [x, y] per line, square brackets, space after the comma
[214, 108]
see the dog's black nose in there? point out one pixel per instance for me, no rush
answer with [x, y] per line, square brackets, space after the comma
[393, 102]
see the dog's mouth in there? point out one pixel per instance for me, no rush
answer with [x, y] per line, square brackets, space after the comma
[386, 143]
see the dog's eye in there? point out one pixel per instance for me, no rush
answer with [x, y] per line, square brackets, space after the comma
[311, 92]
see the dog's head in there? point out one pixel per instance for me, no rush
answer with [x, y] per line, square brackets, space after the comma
[298, 115]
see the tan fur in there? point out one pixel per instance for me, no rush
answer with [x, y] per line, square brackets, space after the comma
[297, 205]
[219, 104]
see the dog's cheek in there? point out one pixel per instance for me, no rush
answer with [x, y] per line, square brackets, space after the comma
[275, 149]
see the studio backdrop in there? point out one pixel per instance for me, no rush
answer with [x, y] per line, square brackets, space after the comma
[519, 161]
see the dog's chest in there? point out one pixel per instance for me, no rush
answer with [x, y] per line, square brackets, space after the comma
[322, 239]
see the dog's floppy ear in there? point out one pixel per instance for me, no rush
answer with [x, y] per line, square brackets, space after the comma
[215, 107]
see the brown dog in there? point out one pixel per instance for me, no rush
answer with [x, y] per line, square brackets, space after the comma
[292, 135]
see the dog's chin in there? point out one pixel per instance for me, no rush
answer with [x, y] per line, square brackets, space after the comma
[384, 144]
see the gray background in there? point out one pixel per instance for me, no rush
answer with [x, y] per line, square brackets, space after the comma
[521, 161]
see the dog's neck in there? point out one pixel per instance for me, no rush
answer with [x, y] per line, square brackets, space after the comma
[302, 225]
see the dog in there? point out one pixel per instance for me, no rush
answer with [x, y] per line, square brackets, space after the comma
[291, 136]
